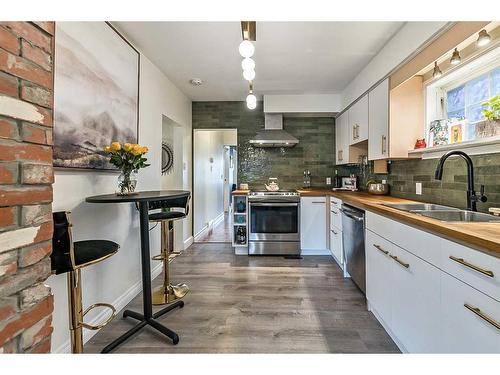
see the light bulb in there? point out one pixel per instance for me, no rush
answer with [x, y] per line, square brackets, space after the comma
[246, 48]
[483, 39]
[437, 72]
[251, 105]
[455, 58]
[249, 75]
[248, 64]
[251, 98]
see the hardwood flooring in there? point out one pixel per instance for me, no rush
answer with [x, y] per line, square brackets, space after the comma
[241, 304]
[221, 232]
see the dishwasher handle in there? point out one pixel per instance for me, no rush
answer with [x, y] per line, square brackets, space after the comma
[351, 216]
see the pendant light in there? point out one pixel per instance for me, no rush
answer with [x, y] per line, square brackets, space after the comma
[455, 58]
[437, 72]
[246, 48]
[483, 39]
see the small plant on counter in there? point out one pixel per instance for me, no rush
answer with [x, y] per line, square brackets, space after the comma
[129, 158]
[492, 113]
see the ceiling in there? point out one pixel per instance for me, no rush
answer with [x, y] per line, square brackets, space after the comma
[290, 57]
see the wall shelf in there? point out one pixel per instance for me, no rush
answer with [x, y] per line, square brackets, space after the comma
[475, 147]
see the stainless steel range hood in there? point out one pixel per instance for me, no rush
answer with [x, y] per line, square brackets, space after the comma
[273, 134]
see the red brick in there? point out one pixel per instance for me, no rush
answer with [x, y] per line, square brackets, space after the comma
[31, 33]
[8, 129]
[14, 151]
[36, 214]
[8, 307]
[8, 269]
[36, 55]
[37, 174]
[8, 217]
[33, 134]
[9, 41]
[13, 196]
[33, 294]
[36, 94]
[8, 85]
[23, 68]
[50, 137]
[45, 232]
[37, 333]
[33, 254]
[24, 278]
[8, 174]
[48, 26]
[27, 319]
[42, 348]
[10, 347]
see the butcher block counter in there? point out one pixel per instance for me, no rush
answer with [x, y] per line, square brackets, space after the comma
[481, 236]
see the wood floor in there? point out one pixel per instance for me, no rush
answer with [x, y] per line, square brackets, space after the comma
[221, 232]
[240, 304]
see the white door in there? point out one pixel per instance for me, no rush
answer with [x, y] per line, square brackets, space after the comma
[468, 319]
[313, 230]
[379, 276]
[339, 138]
[378, 120]
[358, 121]
[415, 302]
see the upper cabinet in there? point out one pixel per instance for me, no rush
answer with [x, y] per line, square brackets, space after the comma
[396, 119]
[358, 121]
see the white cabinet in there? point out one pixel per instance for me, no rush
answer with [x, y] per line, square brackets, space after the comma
[336, 244]
[341, 140]
[464, 319]
[313, 223]
[358, 121]
[378, 117]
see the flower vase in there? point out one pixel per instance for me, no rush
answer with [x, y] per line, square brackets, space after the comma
[127, 182]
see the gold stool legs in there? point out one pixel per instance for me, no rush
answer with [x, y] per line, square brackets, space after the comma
[75, 310]
[167, 293]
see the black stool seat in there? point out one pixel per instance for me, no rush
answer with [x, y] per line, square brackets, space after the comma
[91, 251]
[166, 215]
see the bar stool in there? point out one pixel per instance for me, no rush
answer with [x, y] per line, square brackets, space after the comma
[168, 293]
[70, 257]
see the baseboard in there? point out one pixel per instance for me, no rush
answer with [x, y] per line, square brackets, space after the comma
[218, 219]
[315, 252]
[188, 242]
[385, 327]
[201, 233]
[209, 226]
[118, 303]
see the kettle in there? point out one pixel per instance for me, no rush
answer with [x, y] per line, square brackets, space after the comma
[273, 184]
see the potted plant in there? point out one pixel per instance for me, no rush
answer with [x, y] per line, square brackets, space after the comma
[491, 126]
[129, 159]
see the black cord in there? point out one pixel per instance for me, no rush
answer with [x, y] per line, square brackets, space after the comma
[150, 229]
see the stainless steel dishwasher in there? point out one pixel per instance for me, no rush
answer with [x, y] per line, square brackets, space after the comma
[353, 236]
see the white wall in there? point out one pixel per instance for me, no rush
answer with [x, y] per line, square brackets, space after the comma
[117, 280]
[409, 38]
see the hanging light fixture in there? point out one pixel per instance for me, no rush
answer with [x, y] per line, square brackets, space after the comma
[437, 72]
[251, 98]
[249, 75]
[247, 49]
[248, 64]
[483, 39]
[455, 58]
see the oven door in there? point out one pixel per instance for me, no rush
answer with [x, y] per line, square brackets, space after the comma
[276, 221]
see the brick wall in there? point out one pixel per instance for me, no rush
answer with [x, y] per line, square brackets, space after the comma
[26, 176]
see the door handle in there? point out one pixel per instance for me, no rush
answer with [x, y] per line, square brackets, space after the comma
[405, 265]
[378, 247]
[470, 265]
[482, 315]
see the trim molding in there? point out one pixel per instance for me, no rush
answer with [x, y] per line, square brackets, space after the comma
[119, 304]
[211, 224]
[188, 242]
[315, 252]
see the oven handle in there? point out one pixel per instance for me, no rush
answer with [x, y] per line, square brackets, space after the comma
[273, 204]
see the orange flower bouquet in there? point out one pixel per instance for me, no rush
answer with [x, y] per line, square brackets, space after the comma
[129, 158]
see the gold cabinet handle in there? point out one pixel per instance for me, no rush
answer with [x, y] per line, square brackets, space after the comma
[478, 312]
[384, 147]
[354, 132]
[470, 265]
[405, 265]
[378, 247]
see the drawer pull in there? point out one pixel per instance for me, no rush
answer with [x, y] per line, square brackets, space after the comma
[335, 212]
[475, 268]
[378, 247]
[334, 231]
[406, 265]
[478, 312]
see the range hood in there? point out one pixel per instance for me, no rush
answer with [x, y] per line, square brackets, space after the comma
[273, 134]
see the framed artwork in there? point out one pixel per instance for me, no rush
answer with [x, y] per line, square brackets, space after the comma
[96, 93]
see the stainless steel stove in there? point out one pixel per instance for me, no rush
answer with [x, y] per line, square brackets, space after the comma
[274, 223]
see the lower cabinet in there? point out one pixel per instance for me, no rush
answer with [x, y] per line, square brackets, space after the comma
[336, 245]
[468, 319]
[424, 308]
[313, 223]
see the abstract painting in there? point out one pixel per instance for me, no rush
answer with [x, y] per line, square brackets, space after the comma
[96, 88]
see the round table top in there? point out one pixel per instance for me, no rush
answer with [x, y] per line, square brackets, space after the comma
[140, 196]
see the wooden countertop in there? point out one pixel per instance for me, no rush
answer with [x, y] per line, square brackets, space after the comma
[240, 192]
[481, 236]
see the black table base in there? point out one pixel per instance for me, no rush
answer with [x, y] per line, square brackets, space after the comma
[143, 322]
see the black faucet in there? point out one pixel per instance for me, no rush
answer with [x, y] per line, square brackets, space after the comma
[472, 198]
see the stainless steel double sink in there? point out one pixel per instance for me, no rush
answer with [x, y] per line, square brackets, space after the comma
[443, 213]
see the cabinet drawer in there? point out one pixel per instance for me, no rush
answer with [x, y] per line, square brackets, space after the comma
[465, 330]
[335, 218]
[477, 269]
[336, 246]
[422, 244]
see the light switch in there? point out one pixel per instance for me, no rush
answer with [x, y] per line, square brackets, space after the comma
[418, 188]
[328, 180]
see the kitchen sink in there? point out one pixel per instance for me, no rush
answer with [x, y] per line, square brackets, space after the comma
[411, 207]
[459, 216]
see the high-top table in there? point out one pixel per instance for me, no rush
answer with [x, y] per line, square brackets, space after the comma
[143, 199]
